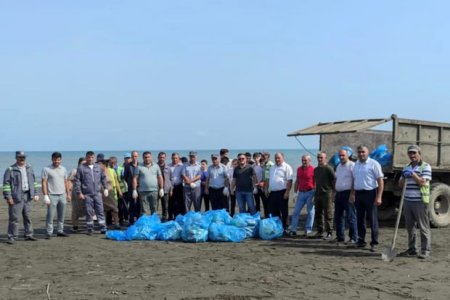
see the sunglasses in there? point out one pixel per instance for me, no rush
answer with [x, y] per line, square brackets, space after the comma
[241, 158]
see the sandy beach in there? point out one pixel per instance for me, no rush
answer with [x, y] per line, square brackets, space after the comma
[92, 267]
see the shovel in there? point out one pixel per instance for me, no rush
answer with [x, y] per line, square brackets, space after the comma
[390, 253]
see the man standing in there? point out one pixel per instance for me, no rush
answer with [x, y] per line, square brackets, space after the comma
[243, 184]
[149, 182]
[123, 203]
[55, 188]
[191, 174]
[260, 195]
[217, 184]
[280, 184]
[304, 187]
[19, 189]
[134, 208]
[368, 188]
[324, 178]
[417, 177]
[166, 172]
[176, 203]
[343, 204]
[90, 180]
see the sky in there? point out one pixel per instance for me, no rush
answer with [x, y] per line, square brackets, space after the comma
[113, 75]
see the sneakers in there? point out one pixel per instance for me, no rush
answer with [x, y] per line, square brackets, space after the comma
[62, 234]
[48, 236]
[336, 241]
[373, 248]
[75, 229]
[350, 243]
[360, 245]
[11, 241]
[308, 234]
[424, 255]
[89, 232]
[409, 252]
[30, 238]
[103, 231]
[327, 237]
[292, 233]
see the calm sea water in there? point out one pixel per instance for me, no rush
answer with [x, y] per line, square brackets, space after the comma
[39, 159]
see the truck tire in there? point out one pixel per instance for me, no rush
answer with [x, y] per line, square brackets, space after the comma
[439, 206]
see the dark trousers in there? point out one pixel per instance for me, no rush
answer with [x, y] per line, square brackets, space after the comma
[232, 204]
[324, 212]
[218, 200]
[366, 209]
[278, 206]
[134, 208]
[164, 206]
[342, 207]
[206, 200]
[261, 197]
[192, 196]
[176, 203]
[123, 208]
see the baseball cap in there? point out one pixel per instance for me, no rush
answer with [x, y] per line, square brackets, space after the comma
[127, 155]
[100, 157]
[413, 148]
[215, 155]
[20, 154]
[192, 153]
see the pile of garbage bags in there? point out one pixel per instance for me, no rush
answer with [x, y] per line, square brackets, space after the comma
[380, 154]
[197, 227]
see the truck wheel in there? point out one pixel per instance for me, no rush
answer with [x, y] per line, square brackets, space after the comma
[439, 206]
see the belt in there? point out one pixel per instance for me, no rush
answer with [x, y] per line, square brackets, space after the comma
[304, 191]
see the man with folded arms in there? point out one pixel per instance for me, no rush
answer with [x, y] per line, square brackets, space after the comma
[217, 184]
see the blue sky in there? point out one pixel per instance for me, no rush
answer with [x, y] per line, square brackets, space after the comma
[113, 75]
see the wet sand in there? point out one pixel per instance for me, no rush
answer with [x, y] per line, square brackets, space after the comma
[91, 267]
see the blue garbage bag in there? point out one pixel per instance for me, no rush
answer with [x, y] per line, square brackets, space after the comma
[219, 216]
[145, 228]
[226, 233]
[116, 235]
[382, 155]
[169, 231]
[195, 228]
[270, 228]
[248, 222]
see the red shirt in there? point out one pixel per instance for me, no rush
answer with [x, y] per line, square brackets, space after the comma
[305, 178]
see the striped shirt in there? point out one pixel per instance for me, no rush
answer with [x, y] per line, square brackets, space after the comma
[412, 192]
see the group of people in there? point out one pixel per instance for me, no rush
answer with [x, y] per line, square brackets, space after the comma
[354, 190]
[101, 189]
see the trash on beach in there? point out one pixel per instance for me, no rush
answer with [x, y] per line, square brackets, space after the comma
[226, 233]
[270, 228]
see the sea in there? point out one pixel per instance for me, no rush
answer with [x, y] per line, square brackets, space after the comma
[40, 159]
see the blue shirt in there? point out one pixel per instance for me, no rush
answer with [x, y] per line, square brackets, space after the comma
[191, 171]
[366, 174]
[217, 176]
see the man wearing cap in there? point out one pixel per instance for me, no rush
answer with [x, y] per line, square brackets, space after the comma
[148, 181]
[217, 184]
[368, 188]
[191, 174]
[55, 188]
[19, 189]
[89, 182]
[417, 176]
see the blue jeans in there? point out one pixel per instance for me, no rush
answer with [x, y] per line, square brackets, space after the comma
[343, 206]
[245, 199]
[302, 199]
[58, 206]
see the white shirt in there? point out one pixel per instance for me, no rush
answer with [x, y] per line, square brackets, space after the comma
[344, 176]
[279, 177]
[365, 175]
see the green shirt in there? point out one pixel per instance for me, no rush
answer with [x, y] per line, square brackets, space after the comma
[324, 178]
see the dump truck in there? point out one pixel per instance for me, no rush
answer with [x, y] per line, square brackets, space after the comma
[432, 137]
